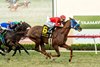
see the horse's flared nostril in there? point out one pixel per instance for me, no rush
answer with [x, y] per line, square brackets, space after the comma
[80, 29]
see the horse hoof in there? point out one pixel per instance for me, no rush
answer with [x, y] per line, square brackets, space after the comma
[47, 57]
[28, 54]
[3, 54]
[8, 59]
[53, 59]
[69, 60]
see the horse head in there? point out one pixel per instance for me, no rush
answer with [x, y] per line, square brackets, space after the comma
[23, 26]
[26, 25]
[75, 25]
[72, 23]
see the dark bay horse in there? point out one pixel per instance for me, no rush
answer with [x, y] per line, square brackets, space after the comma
[12, 38]
[59, 37]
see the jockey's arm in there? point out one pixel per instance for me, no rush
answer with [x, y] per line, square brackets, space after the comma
[57, 23]
[12, 26]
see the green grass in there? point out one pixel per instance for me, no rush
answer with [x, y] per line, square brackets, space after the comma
[80, 59]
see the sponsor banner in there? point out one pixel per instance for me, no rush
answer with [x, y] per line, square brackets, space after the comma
[89, 22]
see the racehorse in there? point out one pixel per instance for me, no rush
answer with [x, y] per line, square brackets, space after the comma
[59, 37]
[12, 38]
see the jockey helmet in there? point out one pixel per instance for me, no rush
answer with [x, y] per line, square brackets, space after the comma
[63, 17]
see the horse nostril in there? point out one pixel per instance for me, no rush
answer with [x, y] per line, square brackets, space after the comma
[80, 29]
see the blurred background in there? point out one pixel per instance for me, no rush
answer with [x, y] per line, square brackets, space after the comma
[35, 13]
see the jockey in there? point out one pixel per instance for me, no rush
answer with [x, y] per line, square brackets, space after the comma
[6, 26]
[13, 25]
[54, 22]
[9, 25]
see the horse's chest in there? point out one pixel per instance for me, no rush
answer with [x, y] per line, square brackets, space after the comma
[59, 39]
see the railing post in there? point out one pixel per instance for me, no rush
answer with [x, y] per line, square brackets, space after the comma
[95, 46]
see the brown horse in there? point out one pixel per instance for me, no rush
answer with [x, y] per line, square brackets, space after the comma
[12, 38]
[59, 37]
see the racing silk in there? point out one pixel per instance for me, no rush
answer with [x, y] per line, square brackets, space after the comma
[16, 22]
[56, 20]
[9, 26]
[4, 25]
[13, 25]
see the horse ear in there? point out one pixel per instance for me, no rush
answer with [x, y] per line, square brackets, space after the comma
[70, 18]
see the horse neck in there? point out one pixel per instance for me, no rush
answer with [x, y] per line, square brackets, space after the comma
[65, 33]
[21, 28]
[66, 28]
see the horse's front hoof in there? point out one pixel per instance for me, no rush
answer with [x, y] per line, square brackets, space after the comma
[3, 54]
[8, 59]
[69, 60]
[46, 57]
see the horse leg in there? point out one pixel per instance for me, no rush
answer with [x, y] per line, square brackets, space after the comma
[12, 46]
[14, 52]
[43, 51]
[71, 51]
[2, 54]
[8, 46]
[57, 51]
[23, 48]
[37, 47]
[2, 49]
[19, 52]
[8, 49]
[18, 48]
[37, 43]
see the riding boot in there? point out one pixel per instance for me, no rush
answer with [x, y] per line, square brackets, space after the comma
[50, 30]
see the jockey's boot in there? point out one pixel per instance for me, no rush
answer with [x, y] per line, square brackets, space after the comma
[50, 30]
[49, 33]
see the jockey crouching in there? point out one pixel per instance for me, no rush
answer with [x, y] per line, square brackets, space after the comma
[6, 26]
[52, 23]
[13, 25]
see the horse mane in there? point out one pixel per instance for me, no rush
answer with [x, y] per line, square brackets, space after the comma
[22, 26]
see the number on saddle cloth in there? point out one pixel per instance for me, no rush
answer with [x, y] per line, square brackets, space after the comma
[45, 31]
